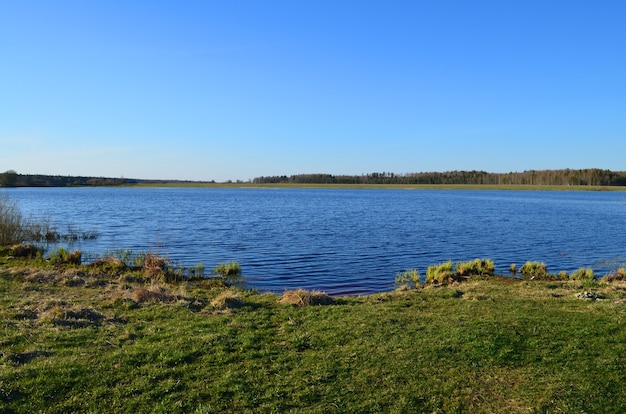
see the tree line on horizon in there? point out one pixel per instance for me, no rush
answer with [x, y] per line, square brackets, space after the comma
[563, 177]
[13, 179]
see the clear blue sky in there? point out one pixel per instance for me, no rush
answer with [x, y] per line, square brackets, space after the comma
[229, 90]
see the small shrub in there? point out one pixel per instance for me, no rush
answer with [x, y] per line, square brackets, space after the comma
[409, 279]
[513, 269]
[441, 273]
[62, 256]
[302, 297]
[478, 267]
[534, 270]
[584, 273]
[562, 275]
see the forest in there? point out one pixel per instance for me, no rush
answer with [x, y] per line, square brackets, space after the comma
[13, 179]
[564, 177]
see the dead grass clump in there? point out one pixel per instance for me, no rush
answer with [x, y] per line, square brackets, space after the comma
[227, 299]
[302, 297]
[129, 278]
[154, 265]
[34, 275]
[109, 263]
[153, 294]
[24, 250]
[618, 276]
[73, 277]
[61, 313]
[73, 281]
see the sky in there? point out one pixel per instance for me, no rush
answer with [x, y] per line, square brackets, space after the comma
[232, 90]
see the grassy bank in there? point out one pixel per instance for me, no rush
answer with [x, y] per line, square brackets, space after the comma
[109, 339]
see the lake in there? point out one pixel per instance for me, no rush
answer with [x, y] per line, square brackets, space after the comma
[342, 241]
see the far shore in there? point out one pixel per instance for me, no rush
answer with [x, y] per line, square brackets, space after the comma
[504, 187]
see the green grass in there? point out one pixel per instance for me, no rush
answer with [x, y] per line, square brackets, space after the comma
[74, 339]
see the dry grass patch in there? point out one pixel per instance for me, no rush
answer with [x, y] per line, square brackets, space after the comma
[302, 297]
[227, 299]
[62, 313]
[618, 276]
[34, 275]
[153, 294]
[23, 250]
[154, 265]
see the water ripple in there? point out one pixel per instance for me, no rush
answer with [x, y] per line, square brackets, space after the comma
[342, 241]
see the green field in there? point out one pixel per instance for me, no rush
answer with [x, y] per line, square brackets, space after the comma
[86, 339]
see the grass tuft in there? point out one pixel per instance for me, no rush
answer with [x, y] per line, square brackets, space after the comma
[62, 256]
[440, 274]
[618, 275]
[534, 270]
[61, 313]
[154, 265]
[302, 297]
[227, 299]
[584, 273]
[477, 267]
[153, 294]
[409, 279]
[230, 273]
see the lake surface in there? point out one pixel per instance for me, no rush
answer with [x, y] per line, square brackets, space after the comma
[351, 241]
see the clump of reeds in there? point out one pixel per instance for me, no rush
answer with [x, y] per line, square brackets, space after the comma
[445, 273]
[230, 273]
[477, 267]
[63, 256]
[584, 273]
[409, 279]
[440, 274]
[534, 270]
[302, 297]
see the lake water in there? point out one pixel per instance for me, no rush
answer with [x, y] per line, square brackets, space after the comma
[351, 241]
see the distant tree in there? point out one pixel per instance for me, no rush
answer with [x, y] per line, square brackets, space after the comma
[8, 178]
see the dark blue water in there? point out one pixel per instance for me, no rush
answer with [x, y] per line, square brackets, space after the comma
[342, 241]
